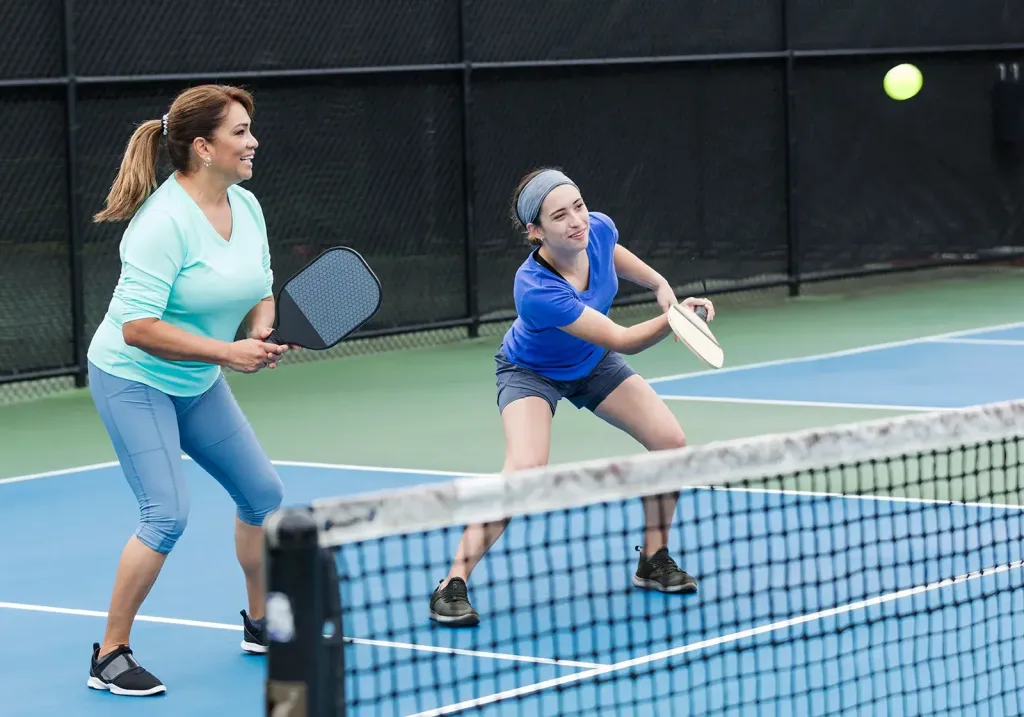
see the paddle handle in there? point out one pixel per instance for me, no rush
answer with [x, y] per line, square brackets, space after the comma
[702, 313]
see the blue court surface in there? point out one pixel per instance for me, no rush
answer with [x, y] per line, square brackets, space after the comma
[949, 371]
[802, 596]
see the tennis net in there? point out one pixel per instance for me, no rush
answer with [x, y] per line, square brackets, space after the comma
[871, 568]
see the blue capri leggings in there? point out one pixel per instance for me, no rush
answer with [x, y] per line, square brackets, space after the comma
[150, 429]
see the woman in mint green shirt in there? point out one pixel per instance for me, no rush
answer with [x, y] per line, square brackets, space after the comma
[195, 265]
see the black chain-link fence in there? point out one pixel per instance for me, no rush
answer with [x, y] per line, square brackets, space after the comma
[743, 145]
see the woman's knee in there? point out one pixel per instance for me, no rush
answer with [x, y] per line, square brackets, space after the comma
[524, 462]
[264, 501]
[523, 452]
[672, 438]
[161, 531]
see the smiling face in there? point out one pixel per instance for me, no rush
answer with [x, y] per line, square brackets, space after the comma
[233, 147]
[563, 225]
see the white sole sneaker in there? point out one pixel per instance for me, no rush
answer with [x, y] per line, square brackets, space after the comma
[97, 684]
[254, 648]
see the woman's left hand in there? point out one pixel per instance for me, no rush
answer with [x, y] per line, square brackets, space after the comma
[692, 303]
[262, 333]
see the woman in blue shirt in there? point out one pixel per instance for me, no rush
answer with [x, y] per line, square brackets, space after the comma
[195, 265]
[563, 345]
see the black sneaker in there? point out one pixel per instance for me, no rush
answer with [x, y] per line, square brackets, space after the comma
[450, 605]
[660, 572]
[119, 673]
[254, 634]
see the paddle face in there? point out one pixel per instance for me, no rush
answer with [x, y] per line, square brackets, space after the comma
[327, 300]
[690, 327]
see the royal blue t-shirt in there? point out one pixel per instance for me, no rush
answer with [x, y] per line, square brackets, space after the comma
[545, 301]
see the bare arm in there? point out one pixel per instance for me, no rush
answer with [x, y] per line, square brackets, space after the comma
[596, 328]
[632, 268]
[160, 339]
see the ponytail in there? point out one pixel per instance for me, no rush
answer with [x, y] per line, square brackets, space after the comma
[136, 178]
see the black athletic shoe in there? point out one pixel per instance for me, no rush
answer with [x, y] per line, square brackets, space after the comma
[254, 634]
[660, 572]
[119, 673]
[450, 605]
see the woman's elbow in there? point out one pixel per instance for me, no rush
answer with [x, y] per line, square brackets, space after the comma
[134, 332]
[622, 342]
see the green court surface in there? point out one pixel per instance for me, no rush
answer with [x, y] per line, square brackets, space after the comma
[433, 407]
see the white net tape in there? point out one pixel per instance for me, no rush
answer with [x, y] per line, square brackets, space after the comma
[475, 499]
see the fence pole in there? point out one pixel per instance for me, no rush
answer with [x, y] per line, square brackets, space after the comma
[74, 233]
[792, 190]
[472, 270]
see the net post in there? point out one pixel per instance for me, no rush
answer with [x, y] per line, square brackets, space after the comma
[305, 674]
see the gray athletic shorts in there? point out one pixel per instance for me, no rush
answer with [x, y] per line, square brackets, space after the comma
[515, 382]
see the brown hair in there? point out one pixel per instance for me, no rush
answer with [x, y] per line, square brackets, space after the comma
[196, 112]
[515, 202]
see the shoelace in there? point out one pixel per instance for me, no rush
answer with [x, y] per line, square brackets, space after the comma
[662, 564]
[455, 590]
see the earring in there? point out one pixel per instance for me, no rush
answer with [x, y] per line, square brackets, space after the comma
[207, 162]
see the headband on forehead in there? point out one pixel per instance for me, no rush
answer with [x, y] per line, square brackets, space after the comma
[535, 191]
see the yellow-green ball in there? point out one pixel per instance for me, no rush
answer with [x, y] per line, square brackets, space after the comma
[903, 82]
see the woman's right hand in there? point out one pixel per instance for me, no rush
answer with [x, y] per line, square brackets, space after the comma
[251, 355]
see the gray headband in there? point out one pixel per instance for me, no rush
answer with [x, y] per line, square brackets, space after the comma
[536, 190]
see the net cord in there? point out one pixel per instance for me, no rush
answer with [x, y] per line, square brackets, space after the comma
[474, 499]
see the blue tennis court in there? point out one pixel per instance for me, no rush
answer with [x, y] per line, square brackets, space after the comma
[769, 582]
[953, 370]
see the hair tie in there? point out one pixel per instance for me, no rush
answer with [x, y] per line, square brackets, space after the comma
[163, 123]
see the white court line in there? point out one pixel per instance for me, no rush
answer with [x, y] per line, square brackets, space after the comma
[835, 354]
[704, 644]
[812, 404]
[296, 464]
[60, 472]
[474, 653]
[870, 497]
[979, 342]
[371, 469]
[355, 640]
